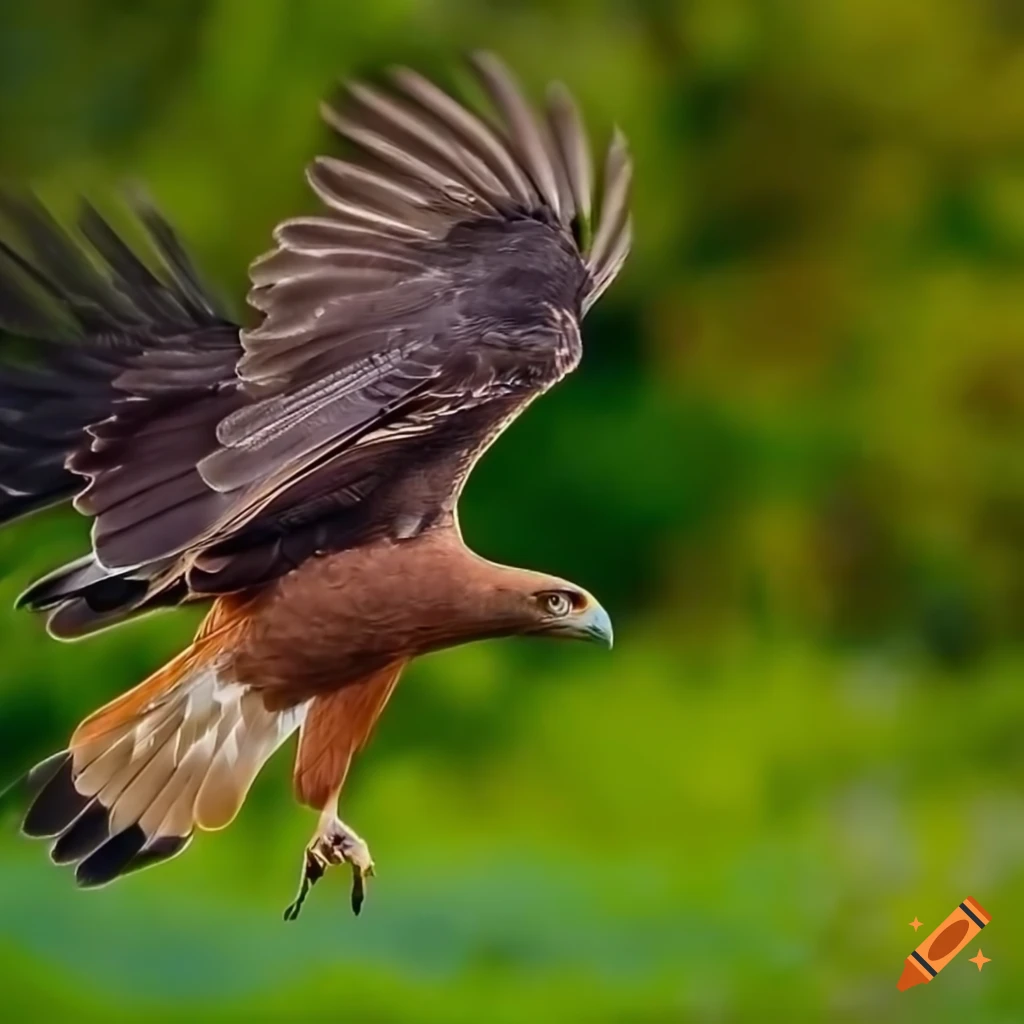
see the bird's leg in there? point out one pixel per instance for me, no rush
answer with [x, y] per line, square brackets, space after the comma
[334, 843]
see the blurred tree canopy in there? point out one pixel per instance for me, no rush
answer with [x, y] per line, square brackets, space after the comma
[792, 465]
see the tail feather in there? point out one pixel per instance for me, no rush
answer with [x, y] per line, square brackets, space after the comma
[84, 836]
[33, 782]
[253, 739]
[171, 813]
[131, 790]
[178, 752]
[57, 804]
[111, 860]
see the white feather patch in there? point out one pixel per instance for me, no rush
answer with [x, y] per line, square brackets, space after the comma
[189, 759]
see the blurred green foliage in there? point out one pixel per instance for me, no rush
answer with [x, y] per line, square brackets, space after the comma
[791, 465]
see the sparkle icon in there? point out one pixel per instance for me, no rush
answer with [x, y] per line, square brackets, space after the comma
[915, 924]
[981, 960]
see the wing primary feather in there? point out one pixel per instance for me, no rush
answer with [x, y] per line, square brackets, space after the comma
[614, 201]
[126, 269]
[611, 265]
[198, 302]
[436, 145]
[571, 138]
[21, 312]
[358, 212]
[63, 271]
[524, 134]
[472, 131]
[386, 191]
[442, 187]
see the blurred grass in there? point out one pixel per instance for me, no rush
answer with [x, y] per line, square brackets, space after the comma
[790, 465]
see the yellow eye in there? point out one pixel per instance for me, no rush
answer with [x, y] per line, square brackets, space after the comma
[557, 603]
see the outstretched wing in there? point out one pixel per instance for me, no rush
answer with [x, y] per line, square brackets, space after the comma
[94, 324]
[446, 274]
[437, 295]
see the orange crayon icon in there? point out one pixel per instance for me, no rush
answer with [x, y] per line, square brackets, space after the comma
[943, 944]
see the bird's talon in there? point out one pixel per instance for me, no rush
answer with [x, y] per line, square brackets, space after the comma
[336, 844]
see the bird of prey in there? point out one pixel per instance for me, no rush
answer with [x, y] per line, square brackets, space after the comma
[300, 474]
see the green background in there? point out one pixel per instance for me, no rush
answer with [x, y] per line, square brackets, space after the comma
[791, 466]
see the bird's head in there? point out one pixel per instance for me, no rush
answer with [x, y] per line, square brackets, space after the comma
[535, 604]
[569, 612]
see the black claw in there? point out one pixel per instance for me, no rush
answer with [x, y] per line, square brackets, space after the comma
[358, 891]
[312, 872]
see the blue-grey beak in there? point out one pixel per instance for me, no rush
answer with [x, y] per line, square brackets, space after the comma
[594, 623]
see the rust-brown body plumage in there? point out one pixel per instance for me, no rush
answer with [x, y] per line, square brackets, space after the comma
[341, 617]
[302, 473]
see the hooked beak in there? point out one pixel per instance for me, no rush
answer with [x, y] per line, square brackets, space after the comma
[592, 623]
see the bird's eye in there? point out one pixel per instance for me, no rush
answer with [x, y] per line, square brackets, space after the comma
[557, 603]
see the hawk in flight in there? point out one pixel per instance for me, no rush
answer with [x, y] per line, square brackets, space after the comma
[300, 475]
